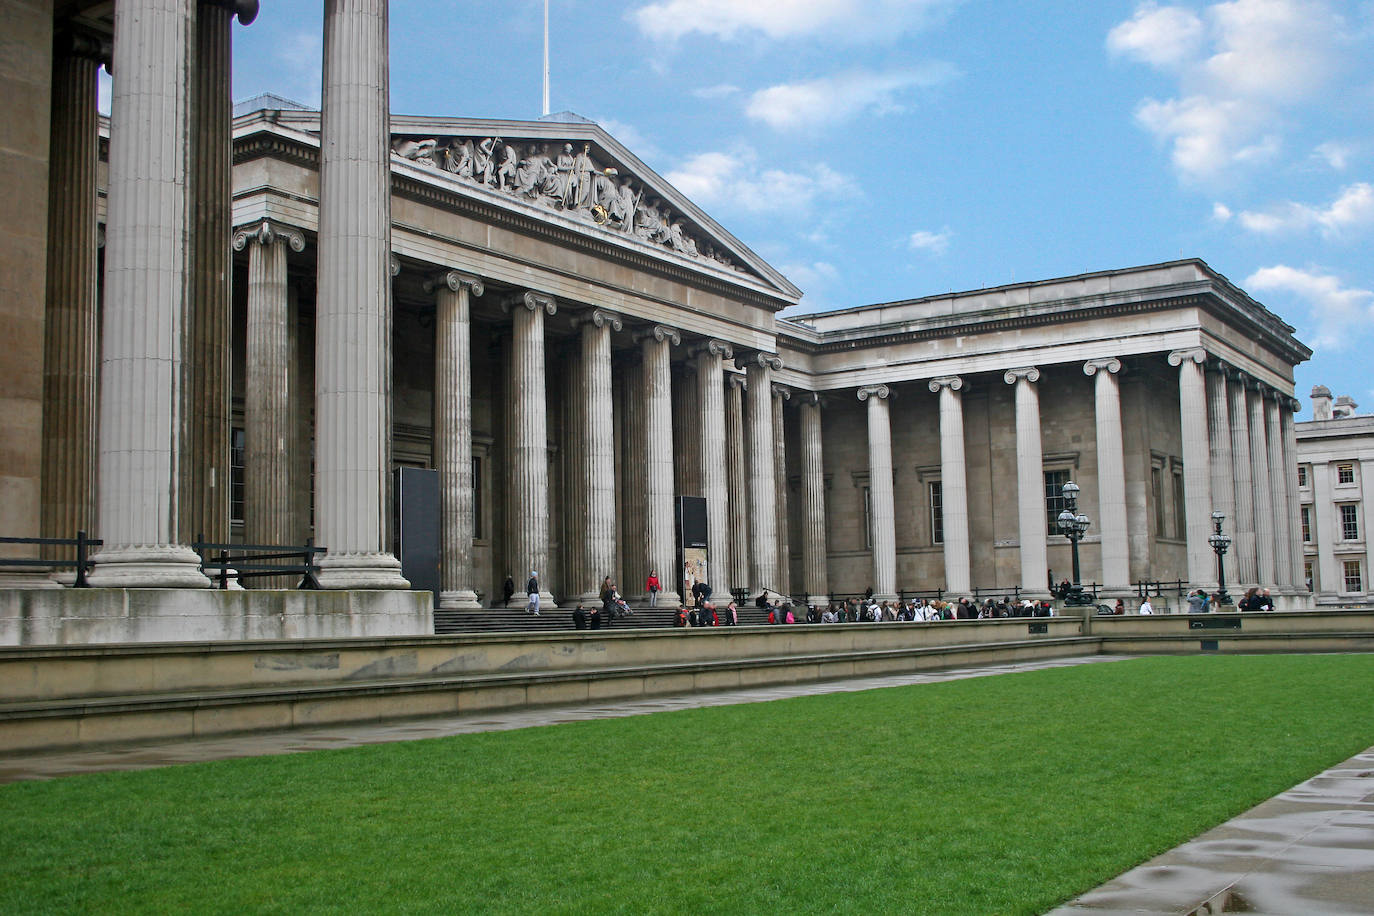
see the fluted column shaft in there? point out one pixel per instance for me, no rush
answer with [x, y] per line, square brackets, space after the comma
[658, 460]
[1264, 498]
[1197, 474]
[882, 501]
[712, 451]
[737, 483]
[453, 435]
[270, 393]
[205, 463]
[1278, 493]
[1030, 481]
[814, 553]
[953, 484]
[144, 308]
[1293, 503]
[70, 341]
[353, 305]
[1219, 442]
[763, 521]
[1243, 534]
[529, 494]
[1111, 474]
[784, 581]
[596, 458]
[634, 557]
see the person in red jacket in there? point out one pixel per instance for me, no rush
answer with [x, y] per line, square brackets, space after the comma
[651, 585]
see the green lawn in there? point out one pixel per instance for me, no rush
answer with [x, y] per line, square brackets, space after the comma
[1004, 794]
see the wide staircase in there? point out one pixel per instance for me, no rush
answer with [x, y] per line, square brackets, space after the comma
[518, 620]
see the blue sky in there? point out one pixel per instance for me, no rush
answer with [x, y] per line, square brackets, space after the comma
[884, 149]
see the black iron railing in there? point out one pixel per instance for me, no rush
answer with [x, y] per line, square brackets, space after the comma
[82, 563]
[222, 562]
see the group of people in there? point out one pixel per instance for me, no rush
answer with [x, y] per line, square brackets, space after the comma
[916, 610]
[1200, 602]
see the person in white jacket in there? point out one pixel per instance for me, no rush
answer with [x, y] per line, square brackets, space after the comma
[1146, 607]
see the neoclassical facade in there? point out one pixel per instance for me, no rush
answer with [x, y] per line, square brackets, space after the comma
[1335, 459]
[247, 324]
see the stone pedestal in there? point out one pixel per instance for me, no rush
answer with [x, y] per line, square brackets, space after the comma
[353, 304]
[953, 484]
[1030, 483]
[144, 307]
[882, 504]
[1197, 475]
[1111, 477]
[814, 556]
[658, 459]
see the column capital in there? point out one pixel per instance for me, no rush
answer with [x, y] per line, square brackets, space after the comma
[882, 392]
[1029, 373]
[759, 358]
[394, 263]
[952, 382]
[268, 232]
[532, 301]
[809, 399]
[1110, 364]
[659, 332]
[1196, 354]
[455, 280]
[714, 347]
[599, 318]
[783, 392]
[1234, 375]
[1292, 404]
[737, 380]
[245, 10]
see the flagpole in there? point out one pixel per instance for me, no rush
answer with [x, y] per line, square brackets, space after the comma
[546, 57]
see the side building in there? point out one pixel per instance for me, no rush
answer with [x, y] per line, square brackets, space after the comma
[1335, 460]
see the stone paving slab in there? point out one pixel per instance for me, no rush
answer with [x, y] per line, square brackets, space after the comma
[144, 756]
[1309, 850]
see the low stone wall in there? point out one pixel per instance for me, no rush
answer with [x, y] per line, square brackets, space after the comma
[89, 616]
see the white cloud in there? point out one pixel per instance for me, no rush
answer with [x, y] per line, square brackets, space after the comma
[718, 91]
[1163, 36]
[830, 99]
[1352, 210]
[1241, 67]
[933, 242]
[1336, 310]
[1220, 212]
[735, 181]
[1336, 155]
[835, 20]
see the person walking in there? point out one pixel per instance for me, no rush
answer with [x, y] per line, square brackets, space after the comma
[1146, 607]
[532, 590]
[652, 586]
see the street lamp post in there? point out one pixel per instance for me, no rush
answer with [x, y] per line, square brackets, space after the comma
[1220, 542]
[1074, 526]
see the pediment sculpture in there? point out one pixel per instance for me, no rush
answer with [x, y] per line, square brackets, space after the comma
[570, 181]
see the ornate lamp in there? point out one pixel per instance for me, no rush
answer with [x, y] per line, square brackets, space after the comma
[1220, 542]
[1074, 526]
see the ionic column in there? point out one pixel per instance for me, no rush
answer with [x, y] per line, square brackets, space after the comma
[953, 483]
[144, 307]
[1111, 474]
[595, 459]
[1197, 474]
[1223, 485]
[1242, 557]
[814, 555]
[737, 482]
[269, 392]
[1293, 502]
[634, 558]
[763, 521]
[1030, 481]
[712, 449]
[1264, 497]
[205, 463]
[353, 304]
[686, 413]
[1278, 490]
[784, 583]
[658, 458]
[453, 434]
[529, 494]
[882, 501]
[70, 342]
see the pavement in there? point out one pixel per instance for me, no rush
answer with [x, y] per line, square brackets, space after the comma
[1309, 850]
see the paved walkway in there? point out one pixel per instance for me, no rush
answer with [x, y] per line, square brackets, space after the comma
[1310, 850]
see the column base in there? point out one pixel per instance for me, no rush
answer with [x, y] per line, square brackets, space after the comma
[586, 599]
[38, 578]
[817, 600]
[889, 597]
[462, 599]
[520, 602]
[152, 566]
[361, 571]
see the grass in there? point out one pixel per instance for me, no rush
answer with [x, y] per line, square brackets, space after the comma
[1004, 794]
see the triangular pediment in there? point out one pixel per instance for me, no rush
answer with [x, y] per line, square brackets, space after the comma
[574, 168]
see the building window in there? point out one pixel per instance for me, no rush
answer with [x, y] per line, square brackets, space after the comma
[1345, 473]
[1302, 475]
[868, 518]
[1307, 574]
[937, 514]
[477, 498]
[1307, 524]
[236, 447]
[1180, 513]
[1354, 582]
[1350, 525]
[1054, 499]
